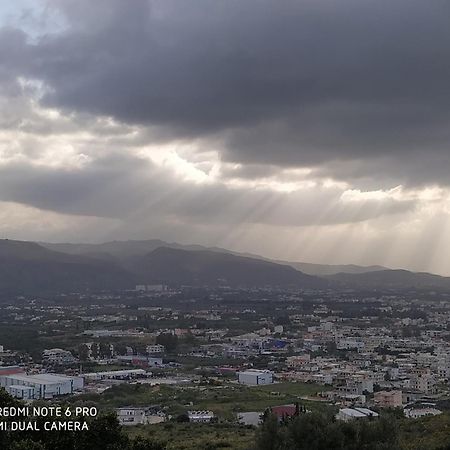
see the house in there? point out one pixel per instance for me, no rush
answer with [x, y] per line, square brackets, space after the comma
[388, 399]
[284, 411]
[156, 348]
[298, 361]
[130, 415]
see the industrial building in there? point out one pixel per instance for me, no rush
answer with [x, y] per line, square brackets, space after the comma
[349, 414]
[40, 386]
[115, 375]
[255, 377]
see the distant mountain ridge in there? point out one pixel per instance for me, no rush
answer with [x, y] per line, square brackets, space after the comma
[392, 279]
[32, 268]
[124, 250]
[332, 269]
[27, 268]
[203, 267]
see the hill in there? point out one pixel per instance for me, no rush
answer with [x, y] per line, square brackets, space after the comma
[211, 268]
[126, 251]
[392, 279]
[26, 267]
[332, 269]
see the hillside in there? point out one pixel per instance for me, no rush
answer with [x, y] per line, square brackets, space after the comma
[26, 267]
[332, 269]
[212, 268]
[126, 251]
[392, 279]
[30, 267]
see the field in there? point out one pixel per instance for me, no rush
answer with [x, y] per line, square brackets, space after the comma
[224, 399]
[186, 436]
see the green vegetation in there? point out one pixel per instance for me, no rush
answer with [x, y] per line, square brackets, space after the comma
[188, 436]
[224, 399]
[321, 432]
[429, 433]
[104, 433]
[318, 431]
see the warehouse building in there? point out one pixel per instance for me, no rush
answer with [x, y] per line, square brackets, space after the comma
[115, 375]
[255, 377]
[40, 386]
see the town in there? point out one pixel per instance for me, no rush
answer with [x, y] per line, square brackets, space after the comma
[187, 357]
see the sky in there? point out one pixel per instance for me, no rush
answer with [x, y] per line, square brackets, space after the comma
[303, 130]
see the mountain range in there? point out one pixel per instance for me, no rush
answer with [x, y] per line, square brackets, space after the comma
[126, 250]
[33, 268]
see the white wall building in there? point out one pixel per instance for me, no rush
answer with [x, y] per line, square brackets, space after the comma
[201, 416]
[157, 348]
[21, 392]
[416, 413]
[114, 375]
[44, 385]
[129, 416]
[255, 377]
[348, 414]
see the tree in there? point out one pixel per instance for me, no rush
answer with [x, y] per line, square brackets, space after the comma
[269, 436]
[182, 418]
[83, 352]
[321, 432]
[95, 350]
[170, 341]
[105, 433]
[105, 350]
[120, 349]
[141, 443]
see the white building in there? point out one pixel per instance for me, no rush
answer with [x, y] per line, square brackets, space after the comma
[423, 381]
[129, 415]
[416, 413]
[114, 375]
[255, 377]
[22, 392]
[151, 288]
[157, 348]
[44, 385]
[348, 414]
[201, 416]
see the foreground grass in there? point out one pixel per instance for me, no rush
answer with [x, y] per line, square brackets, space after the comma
[428, 433]
[188, 436]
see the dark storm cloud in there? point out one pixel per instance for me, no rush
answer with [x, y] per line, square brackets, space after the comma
[119, 186]
[334, 85]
